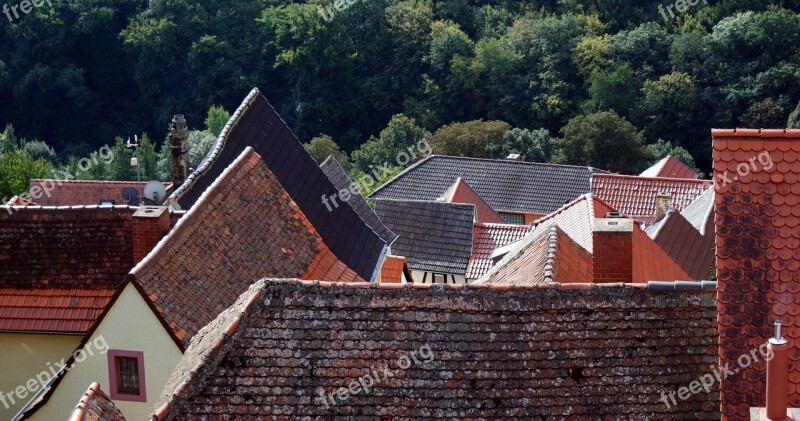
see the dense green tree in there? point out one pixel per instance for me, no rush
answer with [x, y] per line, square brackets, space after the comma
[603, 140]
[764, 114]
[531, 145]
[399, 135]
[216, 119]
[663, 148]
[614, 90]
[468, 139]
[323, 146]
[667, 107]
[16, 170]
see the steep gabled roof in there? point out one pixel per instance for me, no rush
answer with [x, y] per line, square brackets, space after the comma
[433, 236]
[505, 185]
[82, 247]
[342, 181]
[636, 196]
[51, 310]
[757, 255]
[256, 124]
[583, 352]
[690, 243]
[84, 192]
[461, 192]
[486, 239]
[95, 405]
[243, 227]
[669, 167]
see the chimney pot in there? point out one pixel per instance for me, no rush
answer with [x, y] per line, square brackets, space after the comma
[778, 377]
[179, 140]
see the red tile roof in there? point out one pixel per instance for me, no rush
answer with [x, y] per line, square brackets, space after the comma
[51, 310]
[636, 196]
[244, 227]
[563, 255]
[83, 247]
[95, 405]
[393, 269]
[570, 352]
[461, 192]
[486, 239]
[669, 167]
[80, 192]
[758, 256]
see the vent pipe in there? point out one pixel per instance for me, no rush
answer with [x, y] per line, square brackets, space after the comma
[778, 377]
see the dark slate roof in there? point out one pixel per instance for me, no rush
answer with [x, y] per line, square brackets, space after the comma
[493, 353]
[258, 125]
[505, 185]
[342, 181]
[434, 236]
[244, 227]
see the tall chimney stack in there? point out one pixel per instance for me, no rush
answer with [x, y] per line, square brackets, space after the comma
[612, 243]
[662, 204]
[179, 140]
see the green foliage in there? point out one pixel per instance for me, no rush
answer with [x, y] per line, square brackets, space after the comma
[603, 140]
[532, 146]
[323, 146]
[662, 148]
[764, 114]
[468, 139]
[216, 119]
[400, 134]
[199, 144]
[16, 170]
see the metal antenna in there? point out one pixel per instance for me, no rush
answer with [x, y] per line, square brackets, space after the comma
[135, 146]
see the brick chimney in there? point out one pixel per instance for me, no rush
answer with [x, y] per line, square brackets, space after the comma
[179, 140]
[612, 241]
[662, 204]
[150, 224]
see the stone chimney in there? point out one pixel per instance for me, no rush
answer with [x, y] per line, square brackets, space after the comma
[662, 204]
[612, 241]
[150, 224]
[179, 141]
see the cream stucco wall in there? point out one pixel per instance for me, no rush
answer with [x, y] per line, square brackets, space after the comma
[22, 357]
[130, 325]
[419, 275]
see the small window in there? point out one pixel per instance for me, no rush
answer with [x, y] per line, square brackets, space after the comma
[126, 375]
[513, 218]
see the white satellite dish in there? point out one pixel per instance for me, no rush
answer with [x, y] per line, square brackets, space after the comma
[155, 191]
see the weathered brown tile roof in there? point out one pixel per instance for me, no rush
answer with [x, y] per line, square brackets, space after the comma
[81, 247]
[669, 167]
[565, 254]
[689, 247]
[636, 196]
[81, 192]
[461, 192]
[570, 352]
[245, 226]
[486, 239]
[95, 405]
[51, 310]
[256, 124]
[758, 256]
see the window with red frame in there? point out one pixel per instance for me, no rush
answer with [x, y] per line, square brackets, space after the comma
[126, 375]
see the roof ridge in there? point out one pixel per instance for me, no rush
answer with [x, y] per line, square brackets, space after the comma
[670, 179]
[745, 132]
[400, 174]
[67, 207]
[514, 162]
[212, 154]
[439, 202]
[98, 181]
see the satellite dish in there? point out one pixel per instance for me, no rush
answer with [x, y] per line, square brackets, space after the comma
[129, 193]
[155, 191]
[148, 202]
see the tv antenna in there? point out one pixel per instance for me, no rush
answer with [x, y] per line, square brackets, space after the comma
[135, 161]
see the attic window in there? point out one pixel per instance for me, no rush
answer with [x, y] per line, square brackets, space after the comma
[126, 375]
[513, 218]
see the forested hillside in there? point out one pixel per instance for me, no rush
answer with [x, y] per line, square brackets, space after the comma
[569, 81]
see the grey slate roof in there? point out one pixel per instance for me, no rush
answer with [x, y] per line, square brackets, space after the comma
[506, 185]
[433, 236]
[342, 181]
[256, 124]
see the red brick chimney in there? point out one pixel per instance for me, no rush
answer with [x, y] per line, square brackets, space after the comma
[612, 258]
[150, 224]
